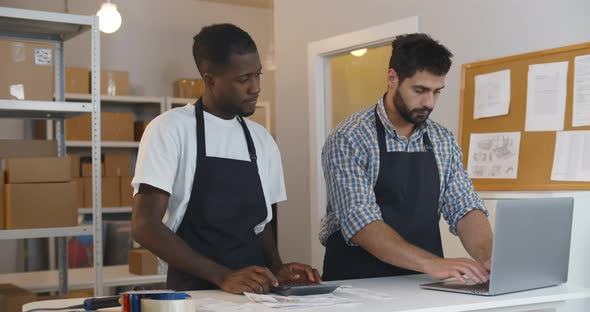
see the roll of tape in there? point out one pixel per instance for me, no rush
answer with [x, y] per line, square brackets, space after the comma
[180, 305]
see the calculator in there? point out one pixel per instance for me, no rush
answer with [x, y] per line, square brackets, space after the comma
[303, 290]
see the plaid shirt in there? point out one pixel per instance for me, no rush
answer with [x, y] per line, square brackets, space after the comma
[350, 159]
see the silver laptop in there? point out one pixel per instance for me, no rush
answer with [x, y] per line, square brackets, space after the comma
[531, 247]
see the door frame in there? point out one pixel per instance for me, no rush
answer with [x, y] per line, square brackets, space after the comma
[320, 117]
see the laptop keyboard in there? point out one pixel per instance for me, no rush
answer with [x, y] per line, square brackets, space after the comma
[483, 287]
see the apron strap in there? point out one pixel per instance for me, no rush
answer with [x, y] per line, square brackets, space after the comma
[251, 147]
[201, 146]
[381, 137]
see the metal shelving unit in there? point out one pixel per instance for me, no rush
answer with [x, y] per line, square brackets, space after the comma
[46, 232]
[57, 28]
[104, 144]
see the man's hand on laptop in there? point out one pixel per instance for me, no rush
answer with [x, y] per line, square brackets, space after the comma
[440, 268]
[488, 265]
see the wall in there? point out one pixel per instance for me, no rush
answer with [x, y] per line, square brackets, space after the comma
[473, 29]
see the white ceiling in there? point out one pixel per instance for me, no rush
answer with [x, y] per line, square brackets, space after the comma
[266, 4]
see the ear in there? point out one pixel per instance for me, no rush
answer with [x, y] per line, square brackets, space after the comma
[209, 80]
[392, 79]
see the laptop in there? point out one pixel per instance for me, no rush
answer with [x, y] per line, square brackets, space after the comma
[530, 250]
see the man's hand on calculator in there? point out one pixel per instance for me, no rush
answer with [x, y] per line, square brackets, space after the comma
[296, 273]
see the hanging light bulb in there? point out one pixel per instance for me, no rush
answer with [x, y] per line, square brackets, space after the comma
[109, 19]
[359, 52]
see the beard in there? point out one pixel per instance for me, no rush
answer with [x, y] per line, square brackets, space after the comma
[417, 116]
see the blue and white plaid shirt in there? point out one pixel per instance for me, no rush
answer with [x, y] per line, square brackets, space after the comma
[350, 159]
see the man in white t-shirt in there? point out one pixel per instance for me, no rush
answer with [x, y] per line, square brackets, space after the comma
[217, 174]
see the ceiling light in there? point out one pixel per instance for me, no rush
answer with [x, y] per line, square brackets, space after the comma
[359, 52]
[109, 19]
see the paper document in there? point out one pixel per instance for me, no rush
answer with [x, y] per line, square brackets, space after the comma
[572, 156]
[492, 94]
[342, 295]
[294, 302]
[581, 111]
[545, 104]
[216, 305]
[493, 155]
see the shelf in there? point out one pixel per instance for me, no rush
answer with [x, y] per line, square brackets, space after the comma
[19, 23]
[42, 109]
[104, 144]
[121, 99]
[106, 210]
[46, 232]
[44, 281]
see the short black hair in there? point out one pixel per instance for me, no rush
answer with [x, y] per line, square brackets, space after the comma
[418, 52]
[214, 45]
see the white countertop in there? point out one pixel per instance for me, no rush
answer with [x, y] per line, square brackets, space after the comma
[409, 297]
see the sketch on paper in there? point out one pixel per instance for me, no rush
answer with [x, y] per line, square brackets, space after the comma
[493, 155]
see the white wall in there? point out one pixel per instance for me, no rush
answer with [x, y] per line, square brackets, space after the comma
[472, 29]
[154, 42]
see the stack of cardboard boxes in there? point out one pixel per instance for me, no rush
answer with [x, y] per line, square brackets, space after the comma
[116, 180]
[39, 189]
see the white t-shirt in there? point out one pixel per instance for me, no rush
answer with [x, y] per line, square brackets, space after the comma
[168, 154]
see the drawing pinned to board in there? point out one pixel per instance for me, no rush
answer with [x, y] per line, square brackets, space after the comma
[493, 155]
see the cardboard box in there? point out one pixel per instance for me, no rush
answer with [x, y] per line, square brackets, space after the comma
[80, 193]
[87, 169]
[27, 70]
[114, 82]
[142, 262]
[77, 80]
[38, 169]
[75, 169]
[189, 88]
[111, 192]
[113, 127]
[117, 164]
[139, 128]
[126, 192]
[40, 205]
[27, 148]
[12, 298]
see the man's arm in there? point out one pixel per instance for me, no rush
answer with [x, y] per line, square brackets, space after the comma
[383, 242]
[475, 233]
[284, 272]
[351, 194]
[149, 207]
[465, 212]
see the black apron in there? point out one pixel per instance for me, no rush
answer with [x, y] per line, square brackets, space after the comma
[407, 192]
[226, 203]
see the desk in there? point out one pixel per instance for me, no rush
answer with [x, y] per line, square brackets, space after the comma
[409, 297]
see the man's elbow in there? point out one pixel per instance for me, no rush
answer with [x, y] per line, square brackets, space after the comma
[139, 230]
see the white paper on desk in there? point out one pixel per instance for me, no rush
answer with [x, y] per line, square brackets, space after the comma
[492, 94]
[545, 104]
[216, 305]
[493, 155]
[571, 161]
[298, 302]
[581, 111]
